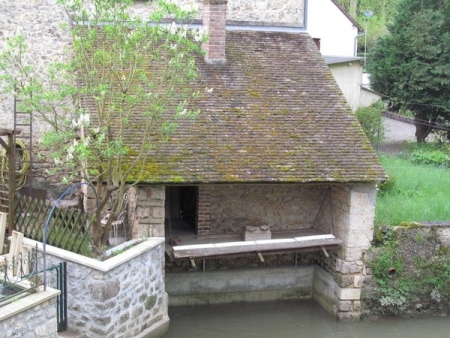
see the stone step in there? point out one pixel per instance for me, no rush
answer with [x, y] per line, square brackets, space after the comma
[70, 334]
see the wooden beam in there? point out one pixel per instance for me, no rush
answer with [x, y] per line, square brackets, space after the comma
[261, 258]
[5, 131]
[4, 145]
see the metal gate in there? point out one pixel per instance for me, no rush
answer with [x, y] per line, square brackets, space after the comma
[57, 279]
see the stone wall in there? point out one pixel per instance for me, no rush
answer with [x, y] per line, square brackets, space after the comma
[243, 285]
[410, 269]
[31, 316]
[286, 12]
[282, 207]
[149, 212]
[353, 222]
[123, 296]
[40, 21]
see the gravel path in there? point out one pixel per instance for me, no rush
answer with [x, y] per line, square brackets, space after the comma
[396, 133]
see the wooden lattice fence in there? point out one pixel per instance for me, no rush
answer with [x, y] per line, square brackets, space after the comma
[69, 229]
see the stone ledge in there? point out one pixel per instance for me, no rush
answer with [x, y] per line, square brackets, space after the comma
[27, 302]
[106, 265]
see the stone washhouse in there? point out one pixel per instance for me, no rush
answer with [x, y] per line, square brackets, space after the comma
[275, 152]
[275, 177]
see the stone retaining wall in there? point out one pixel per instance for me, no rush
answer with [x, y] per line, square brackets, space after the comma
[411, 268]
[240, 285]
[31, 316]
[123, 296]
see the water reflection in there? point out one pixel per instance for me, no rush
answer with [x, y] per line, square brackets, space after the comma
[289, 319]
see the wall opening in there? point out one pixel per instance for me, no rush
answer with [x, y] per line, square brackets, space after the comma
[181, 210]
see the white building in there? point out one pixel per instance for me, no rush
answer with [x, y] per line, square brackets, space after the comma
[333, 29]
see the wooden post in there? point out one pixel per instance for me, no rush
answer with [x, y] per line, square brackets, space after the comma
[10, 151]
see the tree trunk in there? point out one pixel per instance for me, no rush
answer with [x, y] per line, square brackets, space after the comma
[424, 126]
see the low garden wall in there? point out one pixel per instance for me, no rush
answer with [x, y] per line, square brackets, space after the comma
[30, 316]
[123, 296]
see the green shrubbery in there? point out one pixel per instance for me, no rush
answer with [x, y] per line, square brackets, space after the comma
[437, 155]
[408, 272]
[371, 121]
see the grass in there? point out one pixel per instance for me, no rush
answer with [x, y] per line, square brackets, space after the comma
[413, 193]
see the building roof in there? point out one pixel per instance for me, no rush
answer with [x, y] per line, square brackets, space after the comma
[330, 60]
[275, 115]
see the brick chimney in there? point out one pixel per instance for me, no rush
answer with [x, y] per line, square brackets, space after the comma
[214, 21]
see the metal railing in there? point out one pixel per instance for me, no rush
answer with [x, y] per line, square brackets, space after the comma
[19, 276]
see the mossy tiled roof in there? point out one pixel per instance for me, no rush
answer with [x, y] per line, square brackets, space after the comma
[275, 115]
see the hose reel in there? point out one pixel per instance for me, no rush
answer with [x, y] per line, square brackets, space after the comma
[22, 165]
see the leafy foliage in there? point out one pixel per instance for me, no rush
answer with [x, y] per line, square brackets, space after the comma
[412, 64]
[436, 158]
[371, 121]
[120, 67]
[376, 25]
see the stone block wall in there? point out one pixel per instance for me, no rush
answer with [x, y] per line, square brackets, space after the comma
[353, 219]
[289, 12]
[148, 211]
[40, 22]
[242, 285]
[123, 296]
[32, 316]
[281, 207]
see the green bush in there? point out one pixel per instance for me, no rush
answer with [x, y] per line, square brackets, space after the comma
[387, 185]
[437, 158]
[371, 121]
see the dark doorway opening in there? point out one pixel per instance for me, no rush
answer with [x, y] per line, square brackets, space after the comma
[181, 210]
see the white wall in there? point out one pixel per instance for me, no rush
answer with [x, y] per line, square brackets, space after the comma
[368, 97]
[348, 76]
[335, 31]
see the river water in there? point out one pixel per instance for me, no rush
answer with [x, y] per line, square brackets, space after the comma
[292, 319]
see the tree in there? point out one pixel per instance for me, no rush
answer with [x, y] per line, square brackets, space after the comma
[411, 65]
[382, 10]
[119, 66]
[371, 120]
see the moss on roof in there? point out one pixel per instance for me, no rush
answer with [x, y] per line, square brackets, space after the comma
[275, 115]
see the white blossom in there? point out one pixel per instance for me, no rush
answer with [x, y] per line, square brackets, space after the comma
[86, 141]
[199, 34]
[172, 29]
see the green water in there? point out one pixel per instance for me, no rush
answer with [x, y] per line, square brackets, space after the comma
[291, 319]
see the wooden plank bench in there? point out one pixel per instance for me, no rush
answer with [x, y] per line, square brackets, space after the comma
[228, 248]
